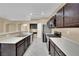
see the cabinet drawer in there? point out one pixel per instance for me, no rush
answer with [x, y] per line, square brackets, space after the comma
[52, 43]
[25, 45]
[20, 50]
[52, 50]
[56, 53]
[28, 40]
[19, 43]
[59, 51]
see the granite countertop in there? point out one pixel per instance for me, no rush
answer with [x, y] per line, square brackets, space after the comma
[12, 40]
[70, 48]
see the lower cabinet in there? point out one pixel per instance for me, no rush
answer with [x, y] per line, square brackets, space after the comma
[16, 49]
[51, 48]
[8, 49]
[27, 42]
[54, 50]
[56, 53]
[20, 48]
[60, 53]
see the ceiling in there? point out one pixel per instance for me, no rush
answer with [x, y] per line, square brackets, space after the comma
[26, 11]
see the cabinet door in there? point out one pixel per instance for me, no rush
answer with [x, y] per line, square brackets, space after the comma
[60, 53]
[59, 18]
[52, 22]
[56, 53]
[51, 50]
[8, 49]
[28, 40]
[20, 48]
[71, 15]
[25, 45]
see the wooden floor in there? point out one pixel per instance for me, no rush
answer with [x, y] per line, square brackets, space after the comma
[37, 48]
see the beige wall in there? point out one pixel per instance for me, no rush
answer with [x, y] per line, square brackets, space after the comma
[12, 26]
[71, 33]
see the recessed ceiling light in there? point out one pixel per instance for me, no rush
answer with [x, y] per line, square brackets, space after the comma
[31, 14]
[28, 18]
[42, 13]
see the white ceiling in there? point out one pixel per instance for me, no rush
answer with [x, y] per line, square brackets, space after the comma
[26, 11]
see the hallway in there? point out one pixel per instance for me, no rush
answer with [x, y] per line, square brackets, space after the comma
[37, 48]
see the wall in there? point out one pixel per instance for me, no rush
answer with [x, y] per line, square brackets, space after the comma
[9, 26]
[12, 26]
[39, 30]
[24, 27]
[71, 33]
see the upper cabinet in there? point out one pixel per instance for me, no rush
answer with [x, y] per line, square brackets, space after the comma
[67, 16]
[52, 22]
[59, 18]
[71, 15]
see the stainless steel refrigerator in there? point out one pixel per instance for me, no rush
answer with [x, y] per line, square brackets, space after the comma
[46, 29]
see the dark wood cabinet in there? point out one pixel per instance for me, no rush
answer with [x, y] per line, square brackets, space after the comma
[67, 16]
[15, 49]
[20, 49]
[54, 50]
[25, 44]
[28, 41]
[8, 49]
[52, 22]
[71, 15]
[59, 18]
[56, 53]
[60, 53]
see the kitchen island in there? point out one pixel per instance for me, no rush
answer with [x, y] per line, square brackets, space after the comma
[15, 46]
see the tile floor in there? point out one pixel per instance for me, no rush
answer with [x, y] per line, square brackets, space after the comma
[37, 48]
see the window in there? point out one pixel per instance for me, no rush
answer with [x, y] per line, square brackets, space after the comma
[33, 26]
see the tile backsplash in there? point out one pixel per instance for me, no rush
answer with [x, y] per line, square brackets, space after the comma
[71, 33]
